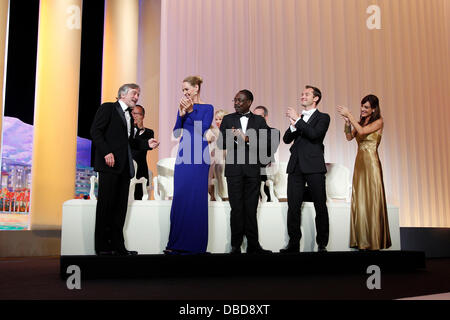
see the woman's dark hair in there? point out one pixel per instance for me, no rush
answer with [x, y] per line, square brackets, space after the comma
[375, 105]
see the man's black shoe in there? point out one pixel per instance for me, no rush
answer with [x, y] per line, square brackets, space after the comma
[322, 249]
[290, 249]
[235, 250]
[107, 253]
[257, 250]
[127, 253]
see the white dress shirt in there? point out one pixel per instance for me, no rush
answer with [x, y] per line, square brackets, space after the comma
[140, 132]
[244, 123]
[306, 115]
[127, 115]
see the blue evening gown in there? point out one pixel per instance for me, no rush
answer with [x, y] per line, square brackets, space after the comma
[189, 212]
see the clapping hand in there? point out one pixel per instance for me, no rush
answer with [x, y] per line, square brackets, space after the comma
[292, 114]
[347, 121]
[238, 133]
[186, 104]
[343, 111]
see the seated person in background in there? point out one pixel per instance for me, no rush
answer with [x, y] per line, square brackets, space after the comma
[140, 156]
[275, 135]
[217, 155]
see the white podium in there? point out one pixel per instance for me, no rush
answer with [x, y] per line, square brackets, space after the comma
[147, 226]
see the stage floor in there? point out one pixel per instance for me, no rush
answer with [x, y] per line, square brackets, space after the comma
[38, 278]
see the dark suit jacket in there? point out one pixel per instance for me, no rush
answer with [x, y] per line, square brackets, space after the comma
[252, 162]
[307, 151]
[275, 136]
[109, 135]
[140, 155]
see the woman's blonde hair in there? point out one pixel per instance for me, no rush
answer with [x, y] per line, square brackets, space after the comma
[194, 80]
[220, 113]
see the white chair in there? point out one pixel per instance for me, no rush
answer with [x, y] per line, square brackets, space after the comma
[262, 192]
[269, 171]
[338, 183]
[150, 179]
[163, 182]
[277, 181]
[134, 182]
[94, 180]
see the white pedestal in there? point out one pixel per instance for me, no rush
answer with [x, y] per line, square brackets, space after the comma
[147, 226]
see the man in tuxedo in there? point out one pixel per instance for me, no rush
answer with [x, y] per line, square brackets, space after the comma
[112, 136]
[307, 165]
[139, 155]
[275, 134]
[246, 138]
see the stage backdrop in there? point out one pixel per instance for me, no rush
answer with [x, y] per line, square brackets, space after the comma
[3, 35]
[396, 49]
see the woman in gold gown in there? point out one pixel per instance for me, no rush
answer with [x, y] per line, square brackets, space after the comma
[369, 227]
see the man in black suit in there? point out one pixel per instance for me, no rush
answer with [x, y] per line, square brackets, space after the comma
[139, 155]
[307, 165]
[275, 134]
[113, 139]
[246, 138]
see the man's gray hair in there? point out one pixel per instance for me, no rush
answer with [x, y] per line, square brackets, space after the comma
[123, 90]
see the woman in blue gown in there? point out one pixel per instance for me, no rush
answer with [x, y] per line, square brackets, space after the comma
[189, 212]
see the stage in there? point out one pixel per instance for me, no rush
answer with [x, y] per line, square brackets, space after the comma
[147, 227]
[228, 265]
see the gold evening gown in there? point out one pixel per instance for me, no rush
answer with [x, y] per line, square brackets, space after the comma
[369, 229]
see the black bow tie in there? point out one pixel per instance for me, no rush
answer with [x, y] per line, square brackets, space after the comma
[128, 109]
[245, 115]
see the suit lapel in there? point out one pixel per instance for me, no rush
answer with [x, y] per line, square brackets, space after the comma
[313, 116]
[251, 121]
[237, 121]
[145, 133]
[121, 113]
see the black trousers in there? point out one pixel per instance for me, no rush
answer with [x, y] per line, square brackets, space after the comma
[111, 211]
[295, 193]
[243, 195]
